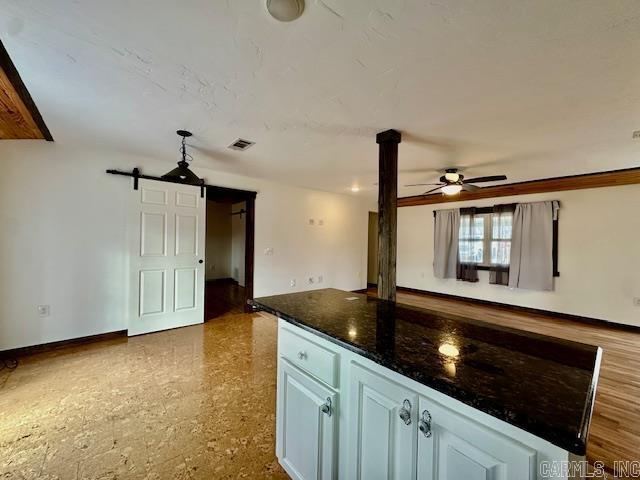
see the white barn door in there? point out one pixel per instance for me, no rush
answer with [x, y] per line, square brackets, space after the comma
[167, 256]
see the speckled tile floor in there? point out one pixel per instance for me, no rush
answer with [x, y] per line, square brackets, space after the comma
[191, 403]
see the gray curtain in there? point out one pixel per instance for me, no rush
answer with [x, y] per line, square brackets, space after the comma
[531, 264]
[445, 239]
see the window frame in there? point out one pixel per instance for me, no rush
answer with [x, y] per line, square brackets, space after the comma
[487, 239]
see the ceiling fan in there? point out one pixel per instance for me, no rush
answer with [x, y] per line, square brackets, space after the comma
[452, 182]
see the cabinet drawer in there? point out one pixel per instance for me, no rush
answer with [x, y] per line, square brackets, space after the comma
[309, 356]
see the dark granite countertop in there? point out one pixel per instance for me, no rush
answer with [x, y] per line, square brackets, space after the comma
[543, 385]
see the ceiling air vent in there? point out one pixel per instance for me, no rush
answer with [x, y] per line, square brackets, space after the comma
[241, 144]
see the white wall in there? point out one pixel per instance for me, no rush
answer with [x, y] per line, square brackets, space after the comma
[238, 240]
[218, 241]
[599, 255]
[63, 239]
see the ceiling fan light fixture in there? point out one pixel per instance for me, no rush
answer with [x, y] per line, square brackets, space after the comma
[451, 189]
[452, 176]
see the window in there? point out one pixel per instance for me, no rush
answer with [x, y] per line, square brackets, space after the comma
[501, 224]
[486, 242]
[472, 248]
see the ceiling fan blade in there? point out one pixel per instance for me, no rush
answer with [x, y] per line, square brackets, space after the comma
[493, 178]
[469, 188]
[431, 191]
[421, 184]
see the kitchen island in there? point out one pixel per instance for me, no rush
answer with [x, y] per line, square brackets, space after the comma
[372, 389]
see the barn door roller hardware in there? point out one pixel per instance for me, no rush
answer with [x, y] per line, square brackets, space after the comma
[181, 174]
[135, 173]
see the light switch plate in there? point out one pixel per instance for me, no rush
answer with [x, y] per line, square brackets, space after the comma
[44, 310]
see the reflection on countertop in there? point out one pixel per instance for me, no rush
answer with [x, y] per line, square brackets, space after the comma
[541, 384]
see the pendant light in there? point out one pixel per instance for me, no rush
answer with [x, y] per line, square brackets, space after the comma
[182, 174]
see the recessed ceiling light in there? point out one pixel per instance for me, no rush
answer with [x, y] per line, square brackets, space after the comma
[355, 189]
[285, 10]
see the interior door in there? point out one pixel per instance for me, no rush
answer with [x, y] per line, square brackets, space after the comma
[383, 428]
[453, 447]
[306, 425]
[167, 232]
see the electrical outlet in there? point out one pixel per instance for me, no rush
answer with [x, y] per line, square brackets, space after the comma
[293, 282]
[44, 310]
[636, 134]
[312, 221]
[636, 301]
[321, 222]
[320, 279]
[268, 251]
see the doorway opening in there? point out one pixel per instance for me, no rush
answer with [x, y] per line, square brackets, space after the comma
[372, 251]
[229, 252]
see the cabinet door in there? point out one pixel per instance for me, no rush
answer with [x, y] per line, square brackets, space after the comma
[453, 447]
[383, 431]
[306, 425]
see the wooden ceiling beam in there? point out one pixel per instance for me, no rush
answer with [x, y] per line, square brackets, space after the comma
[612, 178]
[19, 116]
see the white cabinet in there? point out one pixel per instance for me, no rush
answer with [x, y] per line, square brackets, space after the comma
[383, 428]
[306, 428]
[453, 447]
[388, 427]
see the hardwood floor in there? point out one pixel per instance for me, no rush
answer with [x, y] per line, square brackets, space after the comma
[222, 297]
[199, 402]
[615, 426]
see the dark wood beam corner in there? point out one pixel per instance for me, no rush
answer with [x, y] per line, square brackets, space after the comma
[387, 212]
[19, 116]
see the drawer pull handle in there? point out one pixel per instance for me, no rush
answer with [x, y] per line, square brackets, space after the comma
[405, 412]
[326, 407]
[302, 355]
[424, 425]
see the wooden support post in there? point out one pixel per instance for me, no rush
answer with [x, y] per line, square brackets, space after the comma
[249, 254]
[387, 212]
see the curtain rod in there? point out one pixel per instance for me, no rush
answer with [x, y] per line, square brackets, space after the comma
[483, 210]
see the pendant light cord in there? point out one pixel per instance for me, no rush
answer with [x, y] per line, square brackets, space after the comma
[183, 150]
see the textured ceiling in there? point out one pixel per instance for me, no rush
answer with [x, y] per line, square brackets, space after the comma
[530, 89]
